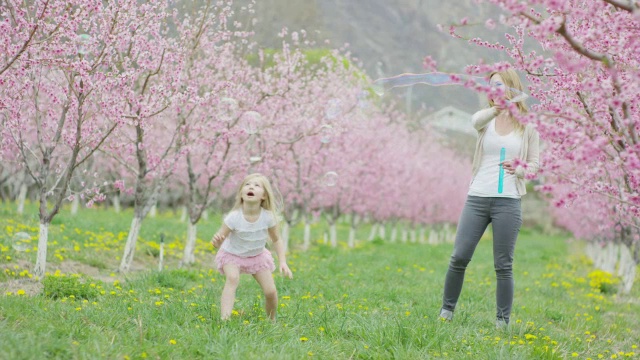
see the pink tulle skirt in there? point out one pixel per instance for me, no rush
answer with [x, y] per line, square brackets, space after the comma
[247, 265]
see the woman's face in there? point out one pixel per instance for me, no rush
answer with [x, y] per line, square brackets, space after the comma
[497, 82]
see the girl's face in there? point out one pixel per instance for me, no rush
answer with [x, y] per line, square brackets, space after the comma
[252, 191]
[497, 82]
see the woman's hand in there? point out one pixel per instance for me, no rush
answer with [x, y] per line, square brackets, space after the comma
[508, 167]
[284, 270]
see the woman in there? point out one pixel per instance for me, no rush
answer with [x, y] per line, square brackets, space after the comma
[494, 196]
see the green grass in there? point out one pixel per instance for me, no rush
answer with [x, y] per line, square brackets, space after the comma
[377, 301]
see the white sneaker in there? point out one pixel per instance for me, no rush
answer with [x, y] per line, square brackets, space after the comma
[501, 324]
[446, 315]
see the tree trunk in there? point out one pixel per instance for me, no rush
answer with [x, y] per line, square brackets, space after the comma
[306, 242]
[626, 269]
[161, 257]
[189, 248]
[352, 236]
[285, 236]
[394, 233]
[422, 235]
[183, 214]
[433, 237]
[41, 260]
[405, 234]
[116, 203]
[333, 234]
[153, 212]
[374, 229]
[130, 246]
[22, 197]
[75, 204]
[382, 231]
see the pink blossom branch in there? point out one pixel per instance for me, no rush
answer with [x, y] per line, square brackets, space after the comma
[26, 43]
[620, 5]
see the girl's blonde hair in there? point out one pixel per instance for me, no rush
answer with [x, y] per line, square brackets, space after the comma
[272, 200]
[511, 81]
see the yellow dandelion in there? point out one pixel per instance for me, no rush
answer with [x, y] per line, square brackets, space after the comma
[20, 292]
[172, 342]
[303, 339]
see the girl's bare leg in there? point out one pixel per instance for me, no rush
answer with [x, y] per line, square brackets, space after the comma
[232, 274]
[265, 279]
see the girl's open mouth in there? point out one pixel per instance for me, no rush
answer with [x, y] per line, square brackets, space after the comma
[250, 193]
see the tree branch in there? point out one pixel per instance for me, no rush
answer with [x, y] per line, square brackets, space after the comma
[620, 5]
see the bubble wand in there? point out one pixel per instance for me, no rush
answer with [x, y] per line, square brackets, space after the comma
[501, 172]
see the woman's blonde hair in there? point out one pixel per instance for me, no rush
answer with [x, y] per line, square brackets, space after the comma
[272, 200]
[511, 81]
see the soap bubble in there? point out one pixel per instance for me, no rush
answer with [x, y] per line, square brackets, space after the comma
[20, 241]
[326, 134]
[330, 178]
[381, 86]
[228, 109]
[251, 121]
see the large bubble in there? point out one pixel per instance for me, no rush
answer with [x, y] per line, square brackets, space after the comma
[330, 178]
[21, 241]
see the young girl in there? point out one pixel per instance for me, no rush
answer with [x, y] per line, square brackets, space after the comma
[241, 241]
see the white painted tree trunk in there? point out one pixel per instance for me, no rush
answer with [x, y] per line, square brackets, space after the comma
[352, 237]
[285, 236]
[433, 237]
[161, 257]
[372, 234]
[116, 203]
[22, 198]
[205, 215]
[394, 233]
[75, 204]
[414, 235]
[306, 241]
[382, 231]
[325, 238]
[41, 260]
[449, 234]
[189, 248]
[422, 236]
[130, 246]
[626, 269]
[405, 235]
[183, 214]
[333, 235]
[153, 212]
[613, 256]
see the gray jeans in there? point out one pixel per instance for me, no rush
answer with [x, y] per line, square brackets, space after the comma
[506, 216]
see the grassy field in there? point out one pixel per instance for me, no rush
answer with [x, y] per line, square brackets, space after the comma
[377, 301]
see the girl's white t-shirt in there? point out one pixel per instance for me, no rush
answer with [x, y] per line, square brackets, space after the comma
[486, 181]
[247, 238]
